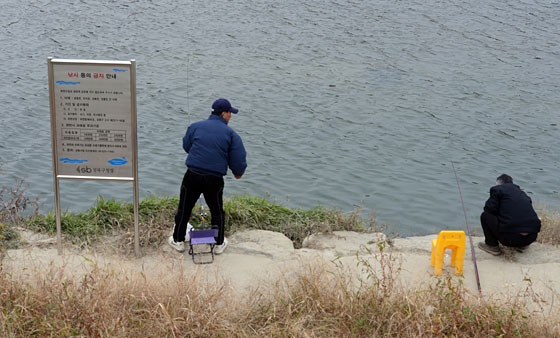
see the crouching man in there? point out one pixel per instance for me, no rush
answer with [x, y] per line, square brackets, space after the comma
[508, 218]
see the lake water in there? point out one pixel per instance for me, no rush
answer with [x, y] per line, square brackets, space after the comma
[342, 103]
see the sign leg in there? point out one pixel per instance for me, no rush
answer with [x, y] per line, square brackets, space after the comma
[58, 216]
[136, 221]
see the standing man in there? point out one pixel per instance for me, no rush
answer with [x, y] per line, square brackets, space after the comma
[508, 218]
[212, 146]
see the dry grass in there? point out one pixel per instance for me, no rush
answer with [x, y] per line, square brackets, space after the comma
[15, 207]
[318, 301]
[318, 304]
[550, 230]
[105, 303]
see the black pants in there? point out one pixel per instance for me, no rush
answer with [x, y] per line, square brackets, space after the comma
[492, 235]
[194, 184]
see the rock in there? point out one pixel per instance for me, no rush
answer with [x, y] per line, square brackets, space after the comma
[343, 243]
[422, 244]
[261, 242]
[31, 238]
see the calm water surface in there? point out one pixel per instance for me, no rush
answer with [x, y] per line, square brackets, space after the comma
[343, 103]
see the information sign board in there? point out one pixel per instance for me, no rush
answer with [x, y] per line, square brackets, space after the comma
[93, 118]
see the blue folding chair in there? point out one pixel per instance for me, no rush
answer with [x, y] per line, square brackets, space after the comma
[202, 245]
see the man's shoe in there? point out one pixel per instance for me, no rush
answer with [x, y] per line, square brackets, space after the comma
[187, 235]
[493, 250]
[219, 249]
[179, 246]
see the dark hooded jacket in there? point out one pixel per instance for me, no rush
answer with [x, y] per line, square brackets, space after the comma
[513, 209]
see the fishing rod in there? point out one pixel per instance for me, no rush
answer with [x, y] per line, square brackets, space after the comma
[188, 61]
[468, 231]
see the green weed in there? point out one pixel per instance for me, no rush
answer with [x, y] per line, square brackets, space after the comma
[156, 217]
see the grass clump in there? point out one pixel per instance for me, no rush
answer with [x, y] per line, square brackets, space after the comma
[110, 217]
[323, 303]
[108, 303]
[316, 304]
[550, 229]
[156, 217]
[8, 237]
[15, 207]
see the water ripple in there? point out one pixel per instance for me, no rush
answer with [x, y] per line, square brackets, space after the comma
[342, 103]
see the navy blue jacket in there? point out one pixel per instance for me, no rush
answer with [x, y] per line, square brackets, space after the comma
[213, 146]
[513, 208]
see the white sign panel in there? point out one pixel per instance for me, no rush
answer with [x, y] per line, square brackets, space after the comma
[94, 118]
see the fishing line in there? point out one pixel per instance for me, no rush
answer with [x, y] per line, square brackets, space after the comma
[468, 231]
[188, 108]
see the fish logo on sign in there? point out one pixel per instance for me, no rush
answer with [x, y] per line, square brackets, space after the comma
[118, 161]
[68, 160]
[67, 83]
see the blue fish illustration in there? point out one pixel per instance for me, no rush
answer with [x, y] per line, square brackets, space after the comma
[118, 161]
[120, 70]
[68, 160]
[67, 83]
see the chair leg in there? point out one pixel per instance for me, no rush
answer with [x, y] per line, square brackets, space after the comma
[434, 248]
[433, 259]
[460, 260]
[438, 266]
